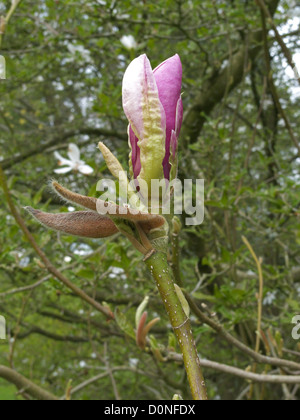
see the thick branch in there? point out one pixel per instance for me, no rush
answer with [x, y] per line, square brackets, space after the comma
[52, 336]
[41, 147]
[26, 386]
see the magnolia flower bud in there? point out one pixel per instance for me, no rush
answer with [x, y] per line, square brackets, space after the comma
[152, 103]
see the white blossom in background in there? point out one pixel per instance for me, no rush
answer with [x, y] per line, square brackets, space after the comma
[242, 130]
[79, 49]
[133, 362]
[294, 9]
[73, 163]
[129, 42]
[82, 364]
[117, 272]
[270, 298]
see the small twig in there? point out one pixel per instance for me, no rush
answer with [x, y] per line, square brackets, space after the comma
[252, 140]
[253, 377]
[258, 262]
[294, 353]
[25, 288]
[17, 330]
[110, 373]
[25, 385]
[259, 358]
[97, 378]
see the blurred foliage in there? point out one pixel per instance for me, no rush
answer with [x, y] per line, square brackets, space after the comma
[65, 63]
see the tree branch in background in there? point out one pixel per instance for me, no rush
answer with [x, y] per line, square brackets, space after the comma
[258, 262]
[249, 376]
[279, 38]
[221, 83]
[26, 386]
[41, 147]
[259, 358]
[272, 85]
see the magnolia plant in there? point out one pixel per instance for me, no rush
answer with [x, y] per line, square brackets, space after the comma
[152, 103]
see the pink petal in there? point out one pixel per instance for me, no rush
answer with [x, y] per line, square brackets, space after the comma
[168, 76]
[139, 88]
[133, 92]
[135, 153]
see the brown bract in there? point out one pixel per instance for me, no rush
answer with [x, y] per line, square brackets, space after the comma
[91, 224]
[80, 223]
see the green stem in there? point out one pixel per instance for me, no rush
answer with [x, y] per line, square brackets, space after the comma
[162, 274]
[7, 18]
[176, 259]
